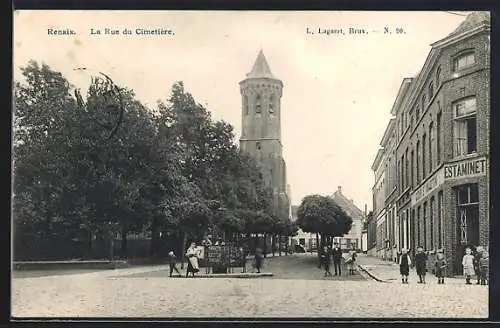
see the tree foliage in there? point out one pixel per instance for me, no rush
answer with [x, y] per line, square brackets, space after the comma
[320, 214]
[175, 169]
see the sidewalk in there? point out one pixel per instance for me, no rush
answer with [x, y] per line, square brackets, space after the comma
[388, 272]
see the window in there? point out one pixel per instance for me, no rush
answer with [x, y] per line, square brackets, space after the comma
[257, 105]
[438, 76]
[411, 169]
[424, 221]
[463, 61]
[412, 119]
[417, 113]
[424, 140]
[417, 168]
[430, 147]
[417, 223]
[438, 138]
[431, 221]
[245, 104]
[431, 90]
[464, 130]
[468, 214]
[424, 102]
[271, 104]
[258, 145]
[408, 183]
[439, 219]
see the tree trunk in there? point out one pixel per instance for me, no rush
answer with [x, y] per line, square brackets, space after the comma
[265, 245]
[183, 249]
[318, 250]
[273, 243]
[279, 245]
[89, 245]
[154, 237]
[124, 234]
[111, 239]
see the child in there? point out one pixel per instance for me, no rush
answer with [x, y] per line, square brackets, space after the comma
[172, 262]
[440, 266]
[468, 264]
[404, 266]
[421, 264]
[477, 258]
[484, 267]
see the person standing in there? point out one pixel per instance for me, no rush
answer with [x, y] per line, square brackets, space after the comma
[259, 258]
[421, 264]
[440, 266]
[172, 261]
[477, 258]
[337, 259]
[484, 264]
[404, 266]
[468, 265]
[192, 255]
[325, 259]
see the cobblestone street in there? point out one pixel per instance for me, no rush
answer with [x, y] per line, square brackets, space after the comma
[149, 292]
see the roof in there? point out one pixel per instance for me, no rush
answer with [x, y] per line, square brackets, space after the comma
[261, 68]
[346, 204]
[387, 133]
[474, 19]
[403, 90]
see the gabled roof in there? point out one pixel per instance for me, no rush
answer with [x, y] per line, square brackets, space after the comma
[387, 132]
[261, 68]
[346, 204]
[403, 91]
[474, 19]
[377, 159]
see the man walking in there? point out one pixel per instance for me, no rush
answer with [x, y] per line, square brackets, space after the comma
[337, 259]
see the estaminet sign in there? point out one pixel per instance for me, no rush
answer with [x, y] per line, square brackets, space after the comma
[467, 168]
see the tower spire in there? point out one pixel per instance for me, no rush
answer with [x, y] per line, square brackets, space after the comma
[261, 67]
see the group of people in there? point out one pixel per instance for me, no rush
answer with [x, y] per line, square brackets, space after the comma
[473, 264]
[329, 254]
[193, 255]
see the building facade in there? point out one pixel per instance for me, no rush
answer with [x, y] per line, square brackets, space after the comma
[261, 95]
[353, 238]
[441, 152]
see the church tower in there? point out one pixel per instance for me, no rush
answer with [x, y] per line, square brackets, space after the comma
[261, 95]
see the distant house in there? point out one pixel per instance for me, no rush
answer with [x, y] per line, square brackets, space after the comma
[354, 236]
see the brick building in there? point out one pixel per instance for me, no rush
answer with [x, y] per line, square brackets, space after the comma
[441, 151]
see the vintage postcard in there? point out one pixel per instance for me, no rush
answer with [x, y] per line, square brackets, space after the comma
[174, 164]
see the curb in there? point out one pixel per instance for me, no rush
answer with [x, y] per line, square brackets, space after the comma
[372, 275]
[69, 265]
[234, 275]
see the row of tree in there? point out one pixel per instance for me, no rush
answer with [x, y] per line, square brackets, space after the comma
[103, 163]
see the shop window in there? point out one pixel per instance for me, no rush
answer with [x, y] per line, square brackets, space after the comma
[468, 214]
[464, 60]
[431, 221]
[424, 228]
[257, 105]
[440, 220]
[465, 127]
[417, 223]
[271, 104]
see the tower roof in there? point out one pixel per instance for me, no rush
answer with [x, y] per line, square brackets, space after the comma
[261, 68]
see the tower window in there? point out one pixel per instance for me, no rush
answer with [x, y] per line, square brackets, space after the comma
[245, 104]
[257, 105]
[271, 104]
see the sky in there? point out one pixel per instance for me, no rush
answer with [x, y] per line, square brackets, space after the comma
[338, 88]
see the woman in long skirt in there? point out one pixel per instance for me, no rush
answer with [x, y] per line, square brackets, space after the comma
[192, 256]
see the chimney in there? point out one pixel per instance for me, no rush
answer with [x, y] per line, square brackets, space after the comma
[339, 189]
[366, 210]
